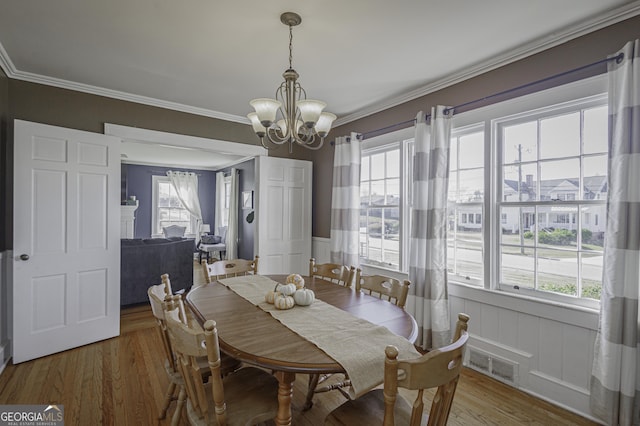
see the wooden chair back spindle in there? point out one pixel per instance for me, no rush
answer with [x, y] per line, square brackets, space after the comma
[391, 289]
[230, 268]
[338, 274]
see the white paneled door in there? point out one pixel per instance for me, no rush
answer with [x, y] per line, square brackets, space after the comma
[66, 266]
[283, 215]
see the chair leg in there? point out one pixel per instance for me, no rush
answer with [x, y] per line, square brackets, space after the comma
[182, 397]
[313, 382]
[167, 400]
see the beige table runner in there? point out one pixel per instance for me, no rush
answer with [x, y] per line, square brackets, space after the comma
[356, 344]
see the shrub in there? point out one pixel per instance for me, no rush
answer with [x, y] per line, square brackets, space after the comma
[528, 235]
[558, 237]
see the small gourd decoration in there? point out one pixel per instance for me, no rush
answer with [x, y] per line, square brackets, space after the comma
[270, 297]
[286, 289]
[295, 279]
[283, 301]
[304, 297]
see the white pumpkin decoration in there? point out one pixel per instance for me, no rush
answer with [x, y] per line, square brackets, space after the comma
[304, 297]
[283, 301]
[295, 279]
[270, 297]
[286, 289]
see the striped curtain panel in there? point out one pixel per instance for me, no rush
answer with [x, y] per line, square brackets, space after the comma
[345, 201]
[615, 380]
[428, 299]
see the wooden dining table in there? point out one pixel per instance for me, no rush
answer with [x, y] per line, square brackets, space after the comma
[252, 335]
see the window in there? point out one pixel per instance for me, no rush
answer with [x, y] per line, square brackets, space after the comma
[562, 152]
[226, 197]
[168, 210]
[465, 200]
[527, 186]
[380, 206]
[385, 200]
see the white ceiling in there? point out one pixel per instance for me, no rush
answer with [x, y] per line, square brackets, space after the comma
[212, 57]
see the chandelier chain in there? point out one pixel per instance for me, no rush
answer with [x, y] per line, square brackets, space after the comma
[290, 47]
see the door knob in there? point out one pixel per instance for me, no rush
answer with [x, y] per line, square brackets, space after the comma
[24, 257]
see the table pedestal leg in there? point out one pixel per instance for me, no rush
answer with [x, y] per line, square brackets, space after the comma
[285, 394]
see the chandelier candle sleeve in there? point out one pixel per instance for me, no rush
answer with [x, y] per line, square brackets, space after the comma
[291, 117]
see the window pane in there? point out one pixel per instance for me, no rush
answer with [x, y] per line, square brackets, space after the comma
[377, 192]
[471, 185]
[453, 155]
[393, 163]
[375, 223]
[595, 177]
[164, 194]
[520, 143]
[472, 150]
[453, 187]
[464, 258]
[515, 219]
[562, 229]
[526, 175]
[558, 271]
[391, 237]
[174, 201]
[393, 191]
[595, 130]
[364, 168]
[591, 276]
[560, 136]
[377, 166]
[364, 194]
[559, 180]
[593, 230]
[517, 266]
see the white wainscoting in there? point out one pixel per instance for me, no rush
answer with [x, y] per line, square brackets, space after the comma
[5, 309]
[549, 346]
[321, 249]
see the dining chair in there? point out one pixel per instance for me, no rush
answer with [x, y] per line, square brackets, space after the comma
[391, 289]
[248, 396]
[439, 368]
[229, 268]
[176, 390]
[339, 274]
[159, 295]
[342, 275]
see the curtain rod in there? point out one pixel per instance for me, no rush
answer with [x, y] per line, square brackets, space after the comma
[618, 58]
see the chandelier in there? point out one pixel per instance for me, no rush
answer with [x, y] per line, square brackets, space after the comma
[290, 117]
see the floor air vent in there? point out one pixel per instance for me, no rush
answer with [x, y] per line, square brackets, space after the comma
[499, 368]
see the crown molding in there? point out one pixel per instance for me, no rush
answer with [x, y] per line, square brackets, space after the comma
[569, 33]
[11, 71]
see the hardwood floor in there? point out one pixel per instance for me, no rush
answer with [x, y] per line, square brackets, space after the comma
[122, 381]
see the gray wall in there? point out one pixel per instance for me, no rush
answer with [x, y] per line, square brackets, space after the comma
[139, 183]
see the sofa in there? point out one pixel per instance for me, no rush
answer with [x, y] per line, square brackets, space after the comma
[143, 261]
